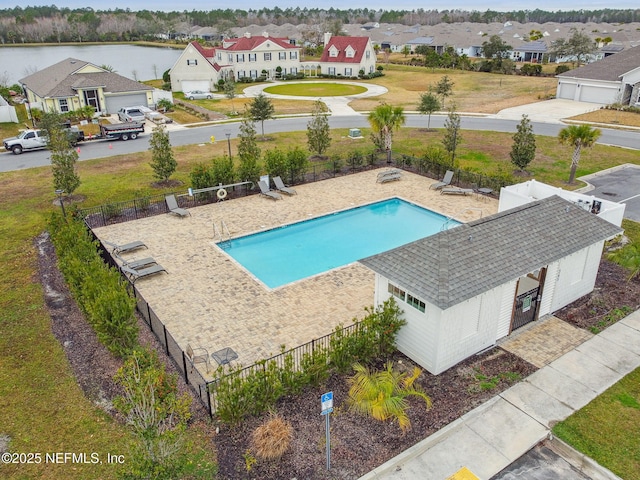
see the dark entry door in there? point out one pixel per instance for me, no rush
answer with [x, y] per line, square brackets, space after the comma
[526, 308]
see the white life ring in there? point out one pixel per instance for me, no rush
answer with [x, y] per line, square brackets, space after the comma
[222, 194]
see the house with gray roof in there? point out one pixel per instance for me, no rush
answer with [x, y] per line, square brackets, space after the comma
[464, 288]
[73, 84]
[614, 79]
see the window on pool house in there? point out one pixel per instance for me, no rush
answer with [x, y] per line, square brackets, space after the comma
[395, 291]
[415, 303]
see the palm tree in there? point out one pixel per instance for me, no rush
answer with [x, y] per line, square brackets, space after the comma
[382, 394]
[579, 136]
[384, 119]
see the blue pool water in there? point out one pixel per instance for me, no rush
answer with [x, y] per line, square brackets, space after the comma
[286, 254]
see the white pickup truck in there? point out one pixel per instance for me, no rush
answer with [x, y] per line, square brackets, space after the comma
[37, 139]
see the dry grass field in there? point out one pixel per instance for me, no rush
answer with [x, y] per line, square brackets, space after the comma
[472, 91]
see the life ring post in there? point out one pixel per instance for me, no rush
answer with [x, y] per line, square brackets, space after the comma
[221, 194]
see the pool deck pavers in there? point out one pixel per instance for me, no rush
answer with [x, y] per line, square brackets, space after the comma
[209, 301]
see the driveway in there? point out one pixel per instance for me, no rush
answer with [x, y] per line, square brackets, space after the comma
[618, 184]
[550, 111]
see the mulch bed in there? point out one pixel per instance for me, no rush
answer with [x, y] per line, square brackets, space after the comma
[358, 444]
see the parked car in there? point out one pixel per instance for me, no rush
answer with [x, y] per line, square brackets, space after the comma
[131, 114]
[197, 95]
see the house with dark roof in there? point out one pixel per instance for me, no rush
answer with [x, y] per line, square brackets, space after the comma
[72, 84]
[614, 79]
[533, 51]
[347, 56]
[464, 288]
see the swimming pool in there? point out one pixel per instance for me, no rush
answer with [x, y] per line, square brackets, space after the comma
[293, 252]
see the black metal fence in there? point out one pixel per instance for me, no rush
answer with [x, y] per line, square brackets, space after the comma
[149, 206]
[135, 209]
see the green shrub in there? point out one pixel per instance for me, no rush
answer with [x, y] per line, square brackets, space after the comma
[252, 391]
[275, 161]
[99, 290]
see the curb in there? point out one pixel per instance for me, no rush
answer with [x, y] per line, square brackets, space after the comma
[580, 461]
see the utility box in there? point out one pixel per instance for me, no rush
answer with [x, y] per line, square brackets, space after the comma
[355, 133]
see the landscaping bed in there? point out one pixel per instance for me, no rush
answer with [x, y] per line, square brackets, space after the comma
[358, 444]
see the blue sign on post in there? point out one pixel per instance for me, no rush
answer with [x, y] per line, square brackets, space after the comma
[326, 401]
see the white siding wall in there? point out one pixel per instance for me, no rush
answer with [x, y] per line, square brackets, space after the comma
[418, 339]
[468, 328]
[203, 71]
[525, 192]
[287, 64]
[549, 289]
[506, 309]
[577, 275]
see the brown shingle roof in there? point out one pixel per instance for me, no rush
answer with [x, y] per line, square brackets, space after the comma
[455, 265]
[62, 80]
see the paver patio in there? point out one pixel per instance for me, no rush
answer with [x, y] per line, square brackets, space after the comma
[209, 301]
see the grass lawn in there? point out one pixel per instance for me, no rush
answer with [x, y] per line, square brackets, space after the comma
[608, 428]
[310, 89]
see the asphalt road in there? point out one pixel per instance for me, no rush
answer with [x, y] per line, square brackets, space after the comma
[200, 135]
[621, 185]
[540, 463]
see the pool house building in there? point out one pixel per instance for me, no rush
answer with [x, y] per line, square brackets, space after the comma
[465, 288]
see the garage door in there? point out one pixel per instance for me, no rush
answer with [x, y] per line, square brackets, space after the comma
[189, 85]
[595, 94]
[116, 102]
[567, 91]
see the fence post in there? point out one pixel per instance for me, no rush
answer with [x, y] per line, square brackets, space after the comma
[166, 342]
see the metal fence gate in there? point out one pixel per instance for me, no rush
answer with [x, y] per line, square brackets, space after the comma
[526, 308]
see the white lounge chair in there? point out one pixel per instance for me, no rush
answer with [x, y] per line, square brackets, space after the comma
[267, 192]
[281, 187]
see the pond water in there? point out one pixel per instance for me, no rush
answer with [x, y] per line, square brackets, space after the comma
[132, 61]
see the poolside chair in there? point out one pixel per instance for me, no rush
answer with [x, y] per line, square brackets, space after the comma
[136, 264]
[135, 274]
[267, 192]
[198, 355]
[456, 191]
[127, 247]
[280, 186]
[172, 205]
[446, 180]
[389, 176]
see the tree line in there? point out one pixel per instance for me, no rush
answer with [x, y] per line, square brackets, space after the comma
[55, 24]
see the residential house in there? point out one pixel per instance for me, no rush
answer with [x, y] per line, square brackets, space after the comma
[72, 84]
[200, 68]
[347, 56]
[614, 79]
[533, 52]
[464, 288]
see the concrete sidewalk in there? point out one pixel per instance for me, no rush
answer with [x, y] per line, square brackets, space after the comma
[495, 434]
